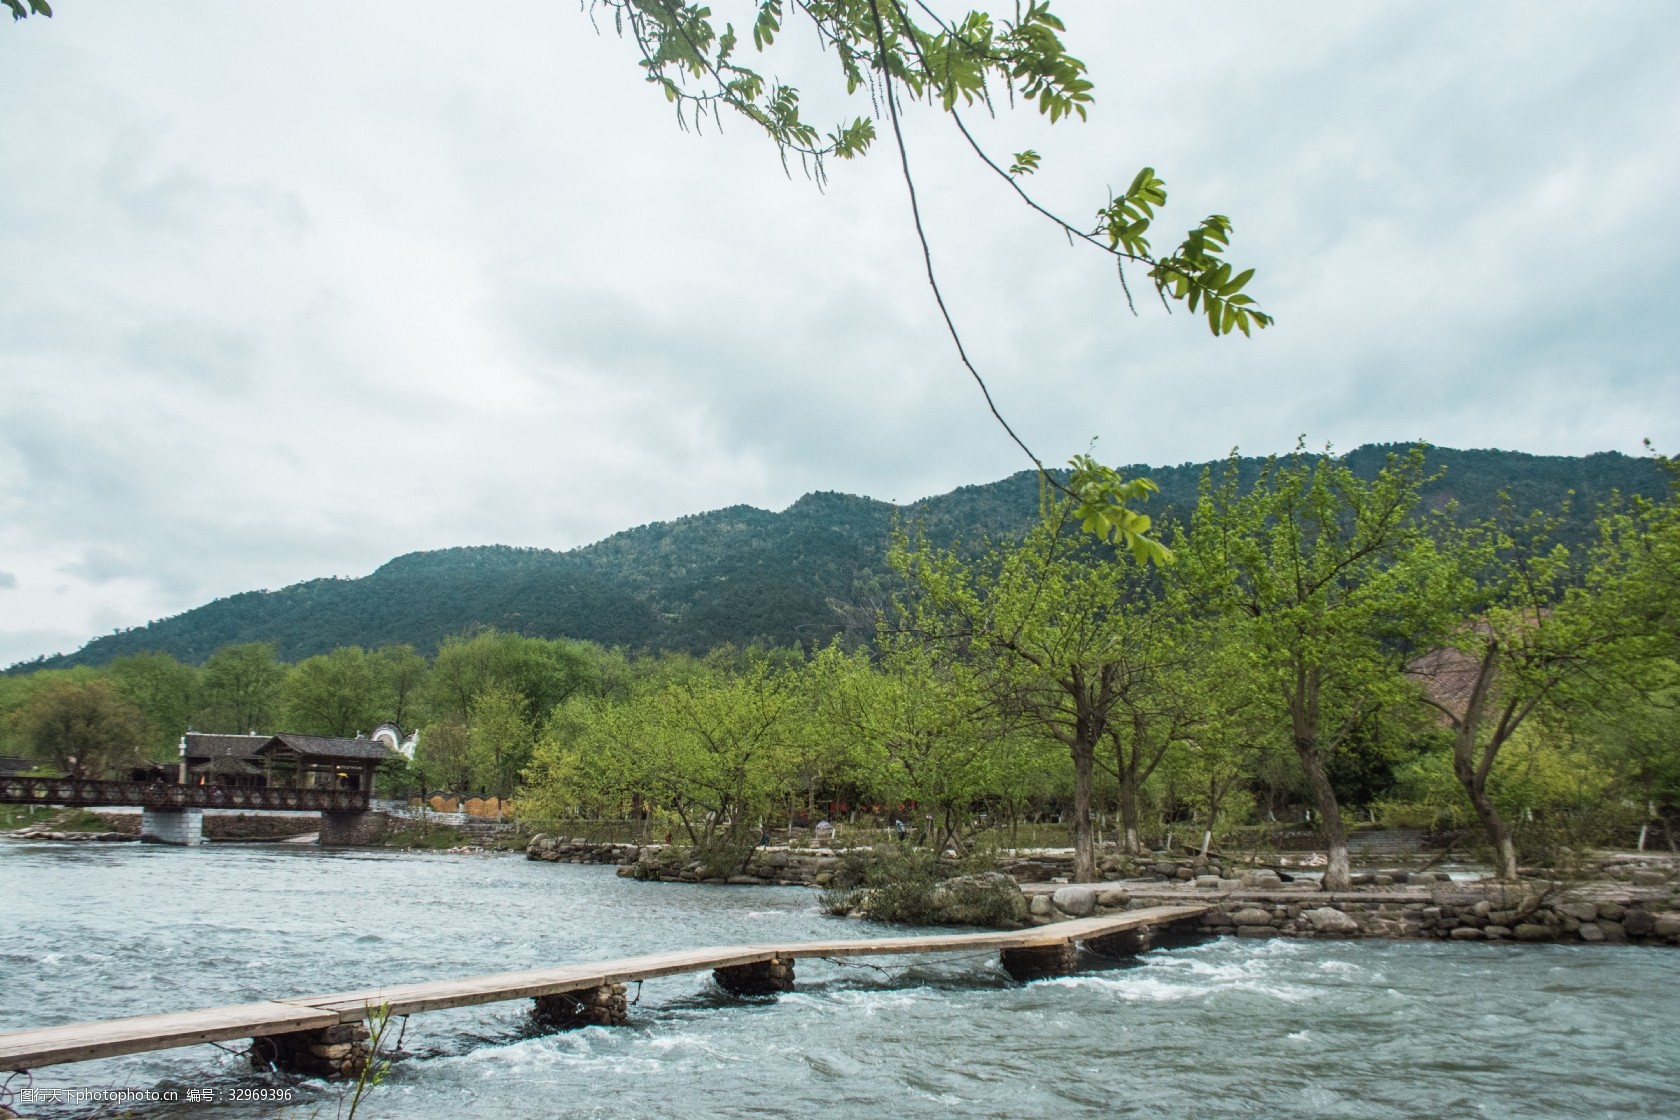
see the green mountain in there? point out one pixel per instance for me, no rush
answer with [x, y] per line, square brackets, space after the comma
[743, 574]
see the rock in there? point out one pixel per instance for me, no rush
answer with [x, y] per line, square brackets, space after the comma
[1040, 905]
[1638, 923]
[1589, 931]
[1528, 931]
[1468, 933]
[1253, 916]
[1642, 877]
[1077, 901]
[1666, 925]
[1261, 879]
[1184, 873]
[1113, 897]
[1613, 931]
[1256, 931]
[1207, 882]
[1497, 933]
[1423, 877]
[1327, 919]
[1610, 910]
[1580, 911]
[1167, 869]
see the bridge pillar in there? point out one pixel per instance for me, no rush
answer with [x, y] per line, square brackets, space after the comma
[591, 1007]
[172, 826]
[1124, 943]
[1039, 961]
[330, 1052]
[759, 978]
[351, 830]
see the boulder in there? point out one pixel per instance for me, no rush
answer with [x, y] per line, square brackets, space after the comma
[1590, 932]
[1467, 933]
[1327, 919]
[1207, 882]
[1497, 933]
[1076, 901]
[1580, 911]
[1253, 916]
[1528, 931]
[1261, 879]
[1666, 925]
[1638, 923]
[1643, 877]
[1114, 896]
[1040, 905]
[1610, 910]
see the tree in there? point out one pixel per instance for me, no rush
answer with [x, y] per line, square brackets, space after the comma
[1335, 586]
[1044, 620]
[163, 689]
[81, 727]
[499, 740]
[1537, 638]
[543, 672]
[239, 688]
[332, 693]
[443, 756]
[400, 674]
[917, 728]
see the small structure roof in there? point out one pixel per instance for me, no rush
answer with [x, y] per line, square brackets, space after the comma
[322, 747]
[227, 764]
[201, 745]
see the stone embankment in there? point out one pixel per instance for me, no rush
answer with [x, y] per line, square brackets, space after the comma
[1636, 901]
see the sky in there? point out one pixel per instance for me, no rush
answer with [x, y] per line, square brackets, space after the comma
[289, 290]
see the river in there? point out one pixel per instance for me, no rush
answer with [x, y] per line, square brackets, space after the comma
[1227, 1028]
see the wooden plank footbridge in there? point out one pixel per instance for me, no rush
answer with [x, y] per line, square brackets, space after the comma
[325, 1034]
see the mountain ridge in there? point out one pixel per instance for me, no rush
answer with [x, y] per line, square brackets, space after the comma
[740, 573]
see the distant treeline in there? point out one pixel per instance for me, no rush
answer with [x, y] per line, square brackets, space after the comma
[743, 576]
[1326, 641]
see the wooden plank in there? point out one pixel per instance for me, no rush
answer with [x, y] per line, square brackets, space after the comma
[80, 1042]
[53, 1045]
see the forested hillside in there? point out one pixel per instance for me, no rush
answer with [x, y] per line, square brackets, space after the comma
[742, 574]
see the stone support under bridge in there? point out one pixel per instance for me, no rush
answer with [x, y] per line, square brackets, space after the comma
[331, 1052]
[604, 1006]
[1039, 961]
[172, 826]
[759, 978]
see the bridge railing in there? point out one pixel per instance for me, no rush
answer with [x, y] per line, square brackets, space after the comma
[160, 795]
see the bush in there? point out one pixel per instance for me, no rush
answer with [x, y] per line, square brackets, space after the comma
[912, 886]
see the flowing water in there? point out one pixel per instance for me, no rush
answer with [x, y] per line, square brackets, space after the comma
[1228, 1028]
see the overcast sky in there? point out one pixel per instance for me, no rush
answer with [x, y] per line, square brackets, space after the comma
[289, 289]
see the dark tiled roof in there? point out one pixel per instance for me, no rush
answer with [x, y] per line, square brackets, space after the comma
[226, 764]
[200, 745]
[335, 748]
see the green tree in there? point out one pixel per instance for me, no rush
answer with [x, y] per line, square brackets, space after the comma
[239, 689]
[1043, 619]
[1336, 586]
[400, 674]
[543, 672]
[917, 728]
[81, 727]
[443, 756]
[333, 693]
[500, 739]
[164, 690]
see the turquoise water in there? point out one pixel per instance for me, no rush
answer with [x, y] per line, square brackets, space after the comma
[1227, 1028]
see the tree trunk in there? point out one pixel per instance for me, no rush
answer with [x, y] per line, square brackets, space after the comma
[1499, 836]
[1129, 842]
[1338, 873]
[1084, 850]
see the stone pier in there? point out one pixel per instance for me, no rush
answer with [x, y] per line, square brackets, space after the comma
[592, 1007]
[760, 978]
[1039, 961]
[351, 830]
[331, 1052]
[1126, 943]
[172, 826]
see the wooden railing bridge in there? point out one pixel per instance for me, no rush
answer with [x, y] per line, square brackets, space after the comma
[84, 792]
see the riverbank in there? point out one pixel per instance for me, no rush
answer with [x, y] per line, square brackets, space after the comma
[1630, 898]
